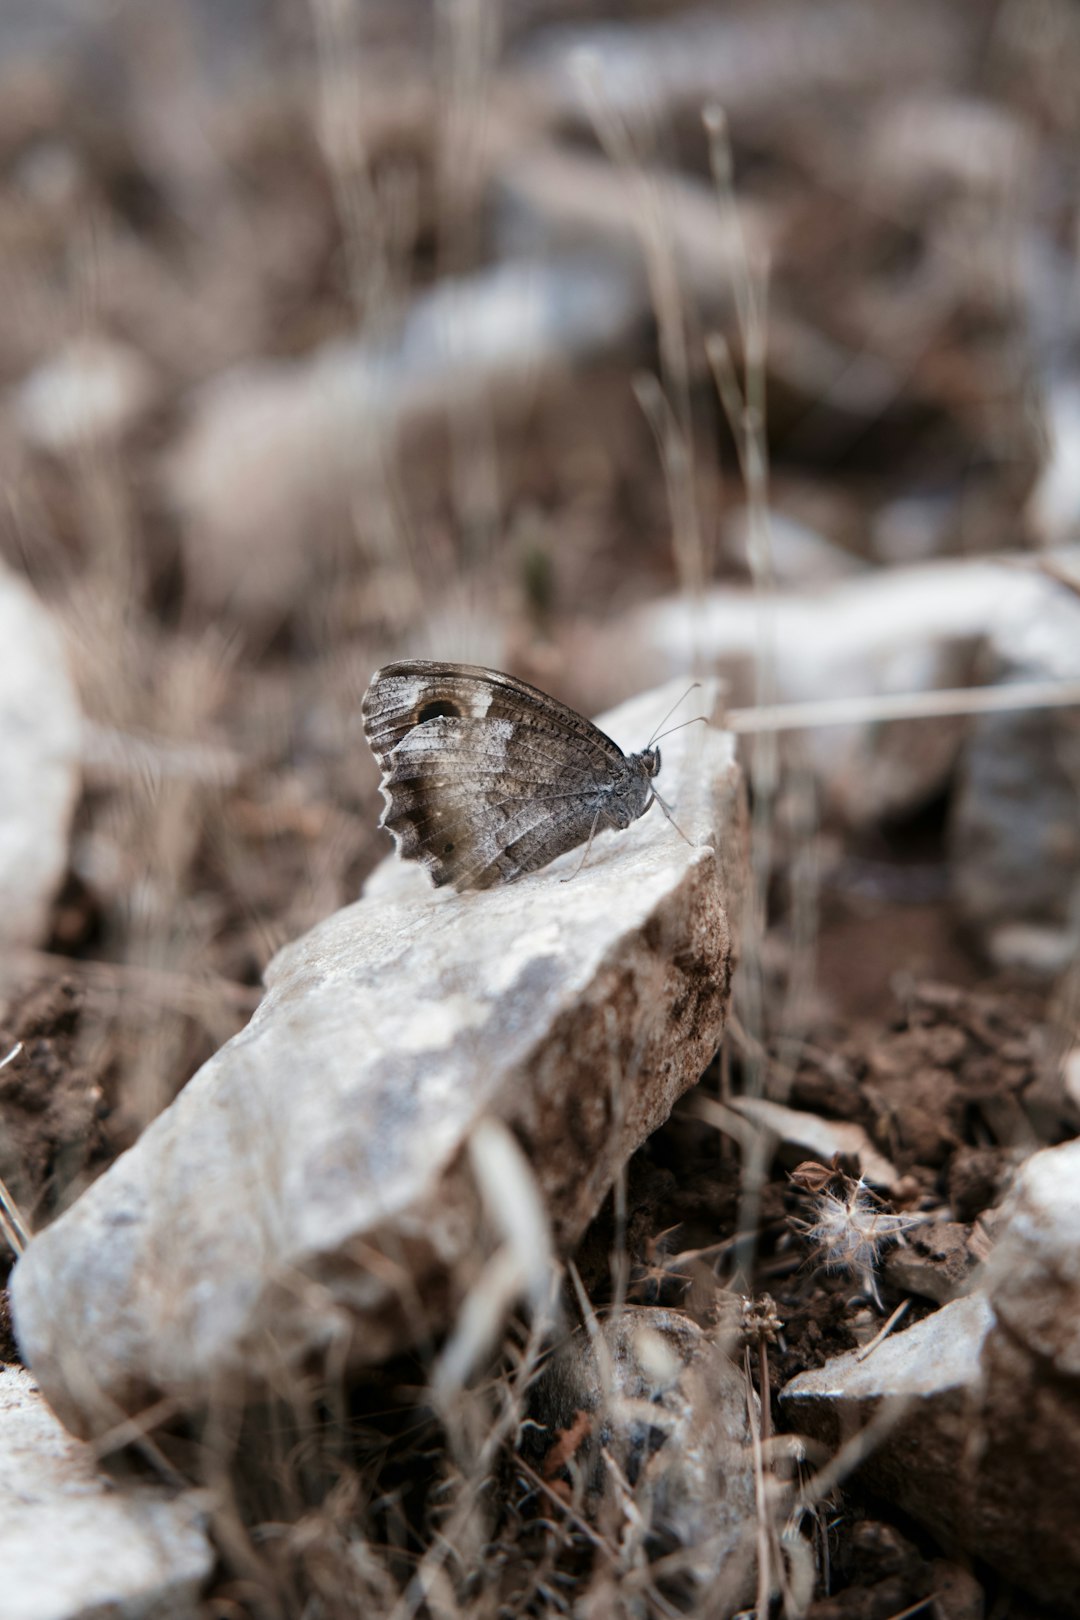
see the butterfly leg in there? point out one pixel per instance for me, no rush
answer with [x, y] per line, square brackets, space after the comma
[588, 846]
[667, 811]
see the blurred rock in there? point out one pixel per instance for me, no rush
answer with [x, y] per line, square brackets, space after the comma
[559, 200]
[798, 555]
[923, 146]
[1033, 1275]
[957, 1593]
[647, 70]
[913, 529]
[309, 1192]
[95, 389]
[1054, 505]
[275, 452]
[663, 1401]
[1014, 830]
[39, 742]
[76, 1544]
[976, 1410]
[890, 631]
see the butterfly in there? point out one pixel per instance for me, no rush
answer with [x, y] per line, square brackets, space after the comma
[486, 778]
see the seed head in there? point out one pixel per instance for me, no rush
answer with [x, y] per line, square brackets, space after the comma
[849, 1225]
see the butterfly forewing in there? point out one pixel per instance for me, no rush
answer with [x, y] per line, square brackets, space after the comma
[485, 777]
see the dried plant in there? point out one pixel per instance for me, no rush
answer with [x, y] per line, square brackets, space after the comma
[850, 1226]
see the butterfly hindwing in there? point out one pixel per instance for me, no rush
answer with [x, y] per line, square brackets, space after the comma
[485, 777]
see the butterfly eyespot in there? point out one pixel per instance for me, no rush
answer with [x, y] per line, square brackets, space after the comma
[448, 849]
[437, 709]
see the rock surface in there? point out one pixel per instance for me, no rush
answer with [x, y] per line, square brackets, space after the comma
[979, 1404]
[310, 1187]
[72, 1546]
[39, 739]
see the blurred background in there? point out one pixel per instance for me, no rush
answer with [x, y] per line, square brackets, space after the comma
[599, 343]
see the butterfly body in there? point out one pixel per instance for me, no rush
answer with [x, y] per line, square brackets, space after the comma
[487, 778]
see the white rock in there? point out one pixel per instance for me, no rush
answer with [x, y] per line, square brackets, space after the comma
[94, 389]
[76, 1544]
[309, 1188]
[937, 1357]
[1033, 1277]
[39, 746]
[1054, 504]
[977, 1408]
[810, 1134]
[921, 143]
[799, 556]
[877, 633]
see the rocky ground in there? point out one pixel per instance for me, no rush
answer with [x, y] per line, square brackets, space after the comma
[695, 1236]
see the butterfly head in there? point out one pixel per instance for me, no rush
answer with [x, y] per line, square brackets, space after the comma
[650, 760]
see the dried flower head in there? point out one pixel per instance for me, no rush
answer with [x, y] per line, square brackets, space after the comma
[849, 1225]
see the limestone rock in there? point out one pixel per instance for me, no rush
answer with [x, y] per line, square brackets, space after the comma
[977, 1408]
[76, 1544]
[39, 742]
[310, 1188]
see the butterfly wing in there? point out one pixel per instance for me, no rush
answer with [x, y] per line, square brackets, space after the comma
[485, 777]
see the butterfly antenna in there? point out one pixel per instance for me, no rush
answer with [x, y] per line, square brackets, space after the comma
[693, 687]
[680, 726]
[666, 808]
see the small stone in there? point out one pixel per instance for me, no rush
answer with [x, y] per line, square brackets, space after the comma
[924, 146]
[668, 1405]
[1033, 1277]
[39, 744]
[93, 390]
[822, 1139]
[976, 1177]
[935, 1261]
[957, 1594]
[76, 1544]
[311, 1188]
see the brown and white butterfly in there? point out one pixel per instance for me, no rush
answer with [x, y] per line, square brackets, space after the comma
[486, 778]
